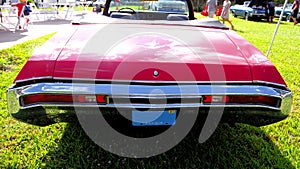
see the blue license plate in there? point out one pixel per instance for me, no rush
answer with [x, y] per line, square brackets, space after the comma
[153, 118]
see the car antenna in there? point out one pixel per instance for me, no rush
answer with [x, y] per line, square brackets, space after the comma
[277, 26]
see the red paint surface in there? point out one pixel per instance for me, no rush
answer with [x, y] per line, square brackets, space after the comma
[199, 54]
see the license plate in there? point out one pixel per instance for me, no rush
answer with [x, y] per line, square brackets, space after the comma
[153, 118]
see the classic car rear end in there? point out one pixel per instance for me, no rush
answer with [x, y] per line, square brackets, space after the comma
[207, 67]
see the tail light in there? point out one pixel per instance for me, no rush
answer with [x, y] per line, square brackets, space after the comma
[63, 98]
[263, 100]
[215, 99]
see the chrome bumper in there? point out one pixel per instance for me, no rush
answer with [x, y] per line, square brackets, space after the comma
[150, 92]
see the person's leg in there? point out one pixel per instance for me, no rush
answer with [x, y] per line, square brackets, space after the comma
[227, 19]
[294, 20]
[1, 16]
[294, 17]
[117, 5]
[18, 25]
[232, 26]
[211, 14]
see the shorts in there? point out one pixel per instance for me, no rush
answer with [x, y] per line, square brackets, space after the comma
[294, 13]
[271, 12]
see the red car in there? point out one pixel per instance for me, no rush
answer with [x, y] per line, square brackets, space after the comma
[154, 66]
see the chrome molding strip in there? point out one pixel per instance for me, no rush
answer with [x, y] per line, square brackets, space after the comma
[147, 92]
[151, 82]
[269, 83]
[35, 78]
[148, 81]
[146, 106]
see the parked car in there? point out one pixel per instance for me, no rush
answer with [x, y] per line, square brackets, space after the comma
[168, 6]
[98, 5]
[101, 3]
[143, 63]
[250, 9]
[287, 15]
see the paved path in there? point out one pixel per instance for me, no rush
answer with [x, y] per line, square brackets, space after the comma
[35, 30]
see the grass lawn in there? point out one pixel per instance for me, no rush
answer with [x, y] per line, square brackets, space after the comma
[66, 145]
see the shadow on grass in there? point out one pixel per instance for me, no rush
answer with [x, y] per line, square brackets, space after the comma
[240, 146]
[238, 30]
[264, 20]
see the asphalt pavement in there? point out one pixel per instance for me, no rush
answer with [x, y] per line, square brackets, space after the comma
[37, 29]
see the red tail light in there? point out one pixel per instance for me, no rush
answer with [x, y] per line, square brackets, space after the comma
[266, 100]
[62, 98]
[215, 99]
[101, 98]
[271, 101]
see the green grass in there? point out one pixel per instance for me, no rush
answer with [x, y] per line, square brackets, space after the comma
[243, 146]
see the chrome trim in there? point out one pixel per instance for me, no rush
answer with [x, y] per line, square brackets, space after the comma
[154, 82]
[116, 91]
[268, 83]
[34, 78]
[146, 106]
[148, 81]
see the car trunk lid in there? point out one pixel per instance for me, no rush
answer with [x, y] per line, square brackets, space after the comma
[147, 52]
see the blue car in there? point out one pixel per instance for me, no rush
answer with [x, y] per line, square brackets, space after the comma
[250, 9]
[287, 15]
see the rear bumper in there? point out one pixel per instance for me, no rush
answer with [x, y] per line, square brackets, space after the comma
[190, 96]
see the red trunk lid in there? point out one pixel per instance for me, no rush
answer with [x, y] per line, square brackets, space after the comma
[138, 52]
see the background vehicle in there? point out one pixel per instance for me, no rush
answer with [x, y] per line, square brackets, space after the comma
[287, 15]
[250, 9]
[98, 5]
[168, 6]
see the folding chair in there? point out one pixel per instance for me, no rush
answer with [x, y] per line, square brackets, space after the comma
[34, 10]
[69, 8]
[9, 16]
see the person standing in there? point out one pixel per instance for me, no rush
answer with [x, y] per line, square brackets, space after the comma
[20, 7]
[117, 4]
[271, 10]
[211, 7]
[295, 10]
[225, 13]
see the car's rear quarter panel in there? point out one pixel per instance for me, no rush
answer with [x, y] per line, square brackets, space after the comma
[262, 69]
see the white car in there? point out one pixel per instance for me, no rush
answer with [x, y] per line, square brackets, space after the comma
[101, 3]
[168, 6]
